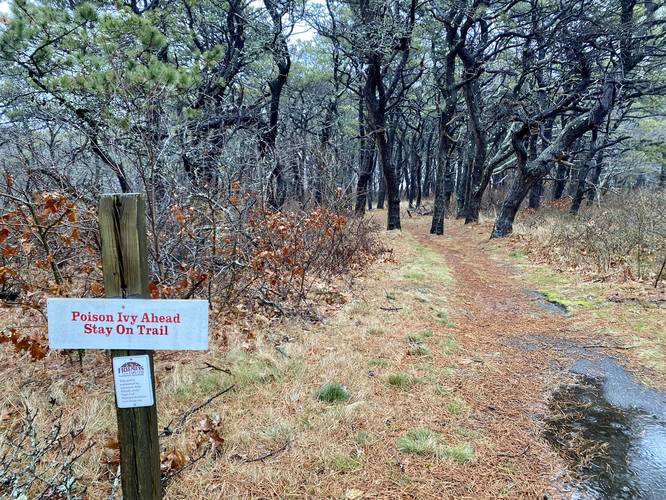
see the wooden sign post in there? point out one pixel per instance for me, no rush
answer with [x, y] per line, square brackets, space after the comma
[132, 327]
[122, 229]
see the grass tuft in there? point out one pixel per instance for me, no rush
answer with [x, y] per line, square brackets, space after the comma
[364, 437]
[251, 369]
[401, 380]
[380, 362]
[332, 393]
[456, 406]
[518, 254]
[420, 350]
[347, 463]
[461, 453]
[443, 318]
[419, 440]
[417, 345]
[375, 331]
[448, 345]
[278, 433]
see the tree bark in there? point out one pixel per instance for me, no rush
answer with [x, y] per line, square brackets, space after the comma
[375, 100]
[277, 189]
[583, 171]
[366, 162]
[528, 173]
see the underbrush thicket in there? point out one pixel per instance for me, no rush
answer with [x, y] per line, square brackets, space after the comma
[624, 237]
[229, 250]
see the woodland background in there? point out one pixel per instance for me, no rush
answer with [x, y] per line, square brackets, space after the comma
[262, 132]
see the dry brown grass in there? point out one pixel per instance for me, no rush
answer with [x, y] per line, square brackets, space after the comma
[472, 387]
[621, 240]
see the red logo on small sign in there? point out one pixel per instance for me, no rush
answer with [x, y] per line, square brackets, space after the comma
[130, 368]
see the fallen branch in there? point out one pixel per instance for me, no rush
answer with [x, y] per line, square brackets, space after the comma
[168, 431]
[392, 309]
[604, 346]
[514, 455]
[262, 457]
[217, 368]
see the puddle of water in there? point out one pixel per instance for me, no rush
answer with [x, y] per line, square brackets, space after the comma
[612, 431]
[545, 303]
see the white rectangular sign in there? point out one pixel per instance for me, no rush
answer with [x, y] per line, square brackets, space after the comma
[131, 377]
[128, 324]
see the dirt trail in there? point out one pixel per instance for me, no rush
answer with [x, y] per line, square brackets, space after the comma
[515, 344]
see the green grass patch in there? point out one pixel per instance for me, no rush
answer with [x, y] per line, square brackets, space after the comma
[375, 331]
[364, 437]
[204, 385]
[414, 276]
[518, 254]
[508, 490]
[419, 350]
[417, 344]
[461, 453]
[415, 338]
[402, 380]
[348, 463]
[456, 406]
[380, 362]
[331, 393]
[419, 440]
[443, 318]
[441, 390]
[279, 432]
[420, 336]
[467, 433]
[448, 345]
[208, 384]
[428, 264]
[250, 369]
[552, 296]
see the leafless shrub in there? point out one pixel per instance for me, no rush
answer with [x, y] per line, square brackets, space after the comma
[220, 244]
[41, 465]
[239, 252]
[626, 235]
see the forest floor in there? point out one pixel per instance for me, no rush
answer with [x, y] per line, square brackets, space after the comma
[450, 361]
[449, 358]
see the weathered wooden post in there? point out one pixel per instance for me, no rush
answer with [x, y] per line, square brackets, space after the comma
[131, 329]
[123, 236]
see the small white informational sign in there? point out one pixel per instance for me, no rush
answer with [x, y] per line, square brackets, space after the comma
[131, 376]
[139, 324]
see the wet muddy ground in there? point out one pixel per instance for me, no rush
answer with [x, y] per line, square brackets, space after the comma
[605, 426]
[545, 303]
[610, 429]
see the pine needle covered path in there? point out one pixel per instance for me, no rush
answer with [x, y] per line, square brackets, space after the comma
[430, 379]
